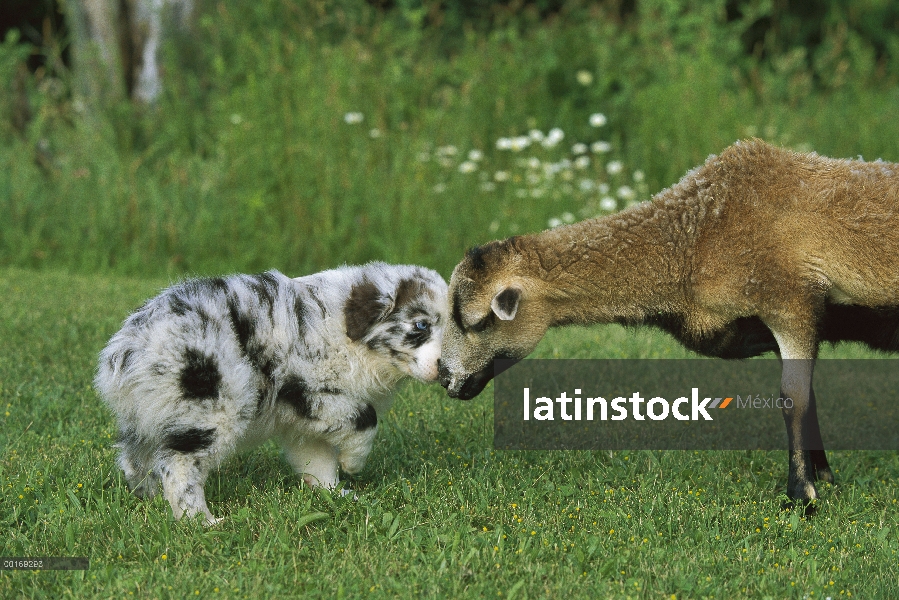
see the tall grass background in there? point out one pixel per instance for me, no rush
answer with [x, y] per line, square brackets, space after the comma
[247, 161]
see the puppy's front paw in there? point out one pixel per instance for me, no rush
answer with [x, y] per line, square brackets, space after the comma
[344, 492]
[352, 464]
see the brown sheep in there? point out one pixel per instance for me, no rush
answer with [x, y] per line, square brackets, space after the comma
[759, 249]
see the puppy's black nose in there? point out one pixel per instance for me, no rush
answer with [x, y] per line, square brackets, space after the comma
[443, 374]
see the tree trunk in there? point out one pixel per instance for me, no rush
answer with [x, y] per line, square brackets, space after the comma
[116, 47]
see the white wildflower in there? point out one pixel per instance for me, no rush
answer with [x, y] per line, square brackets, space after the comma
[447, 150]
[579, 148]
[600, 147]
[608, 203]
[520, 142]
[598, 120]
[586, 185]
[533, 163]
[475, 155]
[533, 178]
[439, 188]
[568, 217]
[494, 226]
[537, 192]
[504, 143]
[603, 188]
[236, 119]
[488, 186]
[582, 162]
[468, 167]
[639, 176]
[501, 176]
[554, 136]
[584, 77]
[626, 193]
[536, 135]
[554, 222]
[352, 118]
[614, 167]
[374, 133]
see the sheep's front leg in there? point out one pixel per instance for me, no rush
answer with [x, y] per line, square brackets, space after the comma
[802, 427]
[806, 450]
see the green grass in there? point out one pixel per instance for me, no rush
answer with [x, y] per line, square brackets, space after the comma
[439, 514]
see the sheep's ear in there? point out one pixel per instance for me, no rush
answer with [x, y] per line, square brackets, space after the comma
[365, 306]
[505, 303]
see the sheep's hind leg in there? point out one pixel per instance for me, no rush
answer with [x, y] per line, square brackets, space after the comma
[818, 457]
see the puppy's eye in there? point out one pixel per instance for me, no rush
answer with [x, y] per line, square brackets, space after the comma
[422, 325]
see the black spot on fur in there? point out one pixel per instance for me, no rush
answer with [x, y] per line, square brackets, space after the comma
[363, 308]
[321, 305]
[299, 309]
[366, 418]
[200, 376]
[140, 316]
[126, 437]
[126, 357]
[177, 304]
[408, 291]
[215, 285]
[377, 342]
[417, 338]
[242, 323]
[189, 440]
[295, 392]
[265, 286]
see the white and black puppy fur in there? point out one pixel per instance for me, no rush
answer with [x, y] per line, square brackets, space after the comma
[215, 365]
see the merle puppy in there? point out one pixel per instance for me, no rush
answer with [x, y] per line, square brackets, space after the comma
[211, 366]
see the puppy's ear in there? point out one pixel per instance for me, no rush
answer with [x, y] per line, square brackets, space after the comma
[364, 307]
[505, 303]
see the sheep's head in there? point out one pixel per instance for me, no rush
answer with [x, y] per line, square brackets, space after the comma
[495, 313]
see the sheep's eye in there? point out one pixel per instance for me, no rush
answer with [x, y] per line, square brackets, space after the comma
[422, 325]
[483, 323]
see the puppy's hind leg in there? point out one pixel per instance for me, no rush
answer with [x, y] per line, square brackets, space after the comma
[183, 477]
[183, 467]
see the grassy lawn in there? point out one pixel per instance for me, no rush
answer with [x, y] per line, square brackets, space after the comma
[439, 514]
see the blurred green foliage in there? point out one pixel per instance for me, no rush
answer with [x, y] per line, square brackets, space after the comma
[247, 163]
